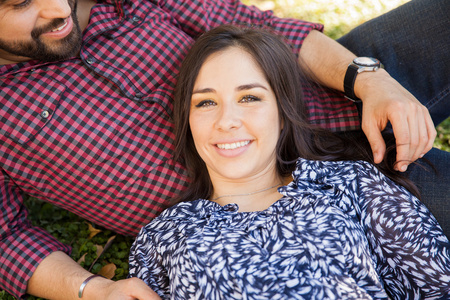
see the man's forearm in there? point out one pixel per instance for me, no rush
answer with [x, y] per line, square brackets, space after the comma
[325, 60]
[59, 277]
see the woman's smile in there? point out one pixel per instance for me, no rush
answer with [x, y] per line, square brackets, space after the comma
[234, 117]
[232, 146]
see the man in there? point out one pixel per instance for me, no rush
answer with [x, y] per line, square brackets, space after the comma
[86, 120]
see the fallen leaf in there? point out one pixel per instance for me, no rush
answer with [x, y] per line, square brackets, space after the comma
[81, 260]
[108, 271]
[92, 231]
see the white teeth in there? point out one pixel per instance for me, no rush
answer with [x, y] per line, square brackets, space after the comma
[60, 27]
[233, 145]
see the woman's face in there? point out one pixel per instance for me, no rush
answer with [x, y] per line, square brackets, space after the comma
[234, 117]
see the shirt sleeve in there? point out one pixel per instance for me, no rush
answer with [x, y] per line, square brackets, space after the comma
[196, 17]
[146, 263]
[22, 246]
[408, 245]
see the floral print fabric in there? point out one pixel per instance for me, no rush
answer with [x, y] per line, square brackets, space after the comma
[341, 230]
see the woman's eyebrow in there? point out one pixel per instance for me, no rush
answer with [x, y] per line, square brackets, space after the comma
[239, 88]
[204, 91]
[250, 86]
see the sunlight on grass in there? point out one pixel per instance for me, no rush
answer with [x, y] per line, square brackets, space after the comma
[337, 16]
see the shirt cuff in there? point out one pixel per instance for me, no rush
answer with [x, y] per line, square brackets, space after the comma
[21, 254]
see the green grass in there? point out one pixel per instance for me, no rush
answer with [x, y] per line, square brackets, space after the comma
[443, 136]
[338, 17]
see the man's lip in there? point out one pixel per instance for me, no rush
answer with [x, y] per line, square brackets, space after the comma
[64, 29]
[60, 27]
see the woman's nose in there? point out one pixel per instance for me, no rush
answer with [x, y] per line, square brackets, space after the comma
[229, 117]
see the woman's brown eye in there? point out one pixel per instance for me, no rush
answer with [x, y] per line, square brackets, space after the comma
[250, 98]
[205, 103]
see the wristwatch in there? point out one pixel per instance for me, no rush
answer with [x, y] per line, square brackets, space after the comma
[358, 65]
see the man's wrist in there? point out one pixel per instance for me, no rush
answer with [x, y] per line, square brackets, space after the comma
[93, 287]
[356, 69]
[366, 82]
[84, 284]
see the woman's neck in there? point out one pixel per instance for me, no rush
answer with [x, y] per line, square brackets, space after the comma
[251, 195]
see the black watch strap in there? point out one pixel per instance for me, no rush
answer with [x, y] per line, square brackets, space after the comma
[349, 82]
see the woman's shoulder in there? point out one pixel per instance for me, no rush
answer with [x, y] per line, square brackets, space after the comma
[188, 209]
[343, 170]
[333, 164]
[173, 218]
[346, 176]
[350, 177]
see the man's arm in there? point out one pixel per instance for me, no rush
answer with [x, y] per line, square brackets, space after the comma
[56, 276]
[384, 99]
[59, 277]
[22, 246]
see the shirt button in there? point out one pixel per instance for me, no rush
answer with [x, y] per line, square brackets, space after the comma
[45, 114]
[136, 19]
[89, 60]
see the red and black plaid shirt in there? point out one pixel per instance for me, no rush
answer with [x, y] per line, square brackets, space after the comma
[94, 134]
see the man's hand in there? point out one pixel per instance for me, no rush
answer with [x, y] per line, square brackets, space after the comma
[384, 99]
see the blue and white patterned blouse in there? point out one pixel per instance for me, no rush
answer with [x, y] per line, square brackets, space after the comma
[342, 230]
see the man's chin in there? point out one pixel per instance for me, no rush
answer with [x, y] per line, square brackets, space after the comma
[59, 50]
[58, 54]
[39, 51]
[50, 57]
[44, 49]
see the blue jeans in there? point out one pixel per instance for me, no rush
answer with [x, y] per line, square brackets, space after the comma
[413, 43]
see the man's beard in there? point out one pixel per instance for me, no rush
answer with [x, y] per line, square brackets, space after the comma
[64, 48]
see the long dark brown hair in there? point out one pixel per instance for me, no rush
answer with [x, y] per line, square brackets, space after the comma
[298, 138]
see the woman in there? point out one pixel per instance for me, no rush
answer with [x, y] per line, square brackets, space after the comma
[244, 229]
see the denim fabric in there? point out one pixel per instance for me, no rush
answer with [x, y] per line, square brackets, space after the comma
[434, 186]
[413, 42]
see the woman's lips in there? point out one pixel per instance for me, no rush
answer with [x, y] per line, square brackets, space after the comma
[232, 146]
[232, 149]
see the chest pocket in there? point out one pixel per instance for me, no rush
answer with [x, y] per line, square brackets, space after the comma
[28, 103]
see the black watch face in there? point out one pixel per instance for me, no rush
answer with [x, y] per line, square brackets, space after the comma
[366, 61]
